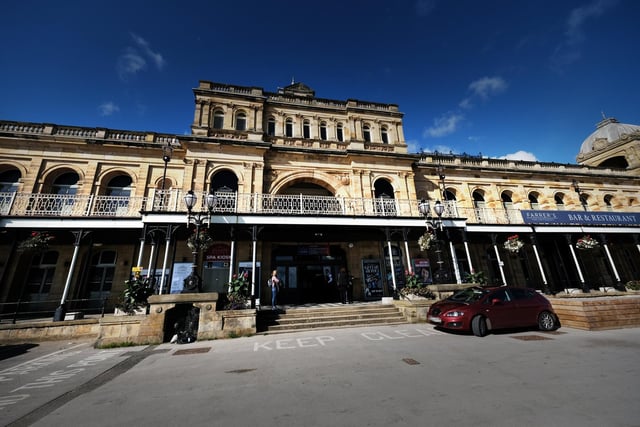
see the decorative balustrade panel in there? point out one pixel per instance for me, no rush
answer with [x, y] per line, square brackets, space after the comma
[117, 206]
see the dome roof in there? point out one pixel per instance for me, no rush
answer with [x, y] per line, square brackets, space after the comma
[607, 131]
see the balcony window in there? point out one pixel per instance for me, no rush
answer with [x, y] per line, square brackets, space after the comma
[241, 121]
[306, 129]
[288, 128]
[339, 133]
[218, 119]
[366, 133]
[323, 131]
[271, 126]
[384, 135]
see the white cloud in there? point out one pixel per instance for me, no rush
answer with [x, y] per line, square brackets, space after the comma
[129, 64]
[568, 50]
[108, 108]
[154, 56]
[444, 125]
[488, 86]
[520, 155]
[134, 59]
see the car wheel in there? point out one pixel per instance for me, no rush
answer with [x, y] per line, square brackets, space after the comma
[479, 326]
[547, 321]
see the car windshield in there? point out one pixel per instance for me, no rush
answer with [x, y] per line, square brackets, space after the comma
[468, 295]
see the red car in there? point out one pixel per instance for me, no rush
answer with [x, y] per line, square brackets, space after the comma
[481, 310]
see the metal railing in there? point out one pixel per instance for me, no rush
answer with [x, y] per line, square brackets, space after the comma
[64, 205]
[29, 310]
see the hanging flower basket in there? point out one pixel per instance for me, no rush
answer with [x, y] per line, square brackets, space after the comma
[37, 242]
[200, 241]
[587, 242]
[426, 240]
[513, 244]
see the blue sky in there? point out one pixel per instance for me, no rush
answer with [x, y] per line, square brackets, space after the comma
[526, 79]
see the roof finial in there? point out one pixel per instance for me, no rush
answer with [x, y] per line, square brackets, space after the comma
[293, 80]
[603, 115]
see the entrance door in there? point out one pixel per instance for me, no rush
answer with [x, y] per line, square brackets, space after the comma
[309, 274]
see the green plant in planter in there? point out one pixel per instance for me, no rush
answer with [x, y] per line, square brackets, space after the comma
[634, 285]
[136, 293]
[413, 286]
[238, 292]
[476, 277]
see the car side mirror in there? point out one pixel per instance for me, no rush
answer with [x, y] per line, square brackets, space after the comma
[496, 301]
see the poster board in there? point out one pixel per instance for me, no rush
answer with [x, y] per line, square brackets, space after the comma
[180, 271]
[372, 279]
[422, 268]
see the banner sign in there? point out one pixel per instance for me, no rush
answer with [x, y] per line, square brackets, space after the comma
[581, 218]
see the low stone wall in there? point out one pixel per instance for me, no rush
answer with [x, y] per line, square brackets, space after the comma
[149, 329]
[415, 310]
[596, 312]
[112, 330]
[49, 330]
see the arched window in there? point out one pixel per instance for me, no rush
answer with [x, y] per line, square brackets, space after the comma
[323, 131]
[479, 204]
[607, 201]
[384, 135]
[288, 128]
[9, 181]
[306, 129]
[559, 199]
[271, 126]
[366, 133]
[533, 201]
[117, 191]
[241, 121]
[339, 133]
[384, 194]
[218, 119]
[507, 203]
[119, 186]
[67, 183]
[225, 185]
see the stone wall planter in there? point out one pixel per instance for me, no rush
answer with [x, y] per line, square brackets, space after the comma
[414, 310]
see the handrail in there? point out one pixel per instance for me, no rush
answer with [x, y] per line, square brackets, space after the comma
[232, 203]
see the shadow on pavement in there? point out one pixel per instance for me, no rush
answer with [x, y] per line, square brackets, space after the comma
[9, 351]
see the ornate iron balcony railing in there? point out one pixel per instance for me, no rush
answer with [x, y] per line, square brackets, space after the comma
[71, 206]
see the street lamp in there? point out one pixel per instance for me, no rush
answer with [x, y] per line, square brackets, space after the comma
[576, 187]
[442, 176]
[167, 151]
[199, 241]
[425, 210]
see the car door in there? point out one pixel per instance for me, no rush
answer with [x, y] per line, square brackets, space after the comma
[527, 305]
[499, 309]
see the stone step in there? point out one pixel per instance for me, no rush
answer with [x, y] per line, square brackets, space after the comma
[327, 316]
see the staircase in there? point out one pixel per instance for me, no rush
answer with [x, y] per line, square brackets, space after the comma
[305, 318]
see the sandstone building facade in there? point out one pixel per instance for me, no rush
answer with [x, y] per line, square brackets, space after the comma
[304, 185]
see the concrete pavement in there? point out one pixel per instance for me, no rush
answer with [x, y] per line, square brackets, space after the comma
[390, 375]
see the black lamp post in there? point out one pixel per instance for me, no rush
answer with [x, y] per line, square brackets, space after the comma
[576, 187]
[193, 282]
[167, 151]
[442, 176]
[425, 210]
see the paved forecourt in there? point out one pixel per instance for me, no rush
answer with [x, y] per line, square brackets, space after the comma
[385, 375]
